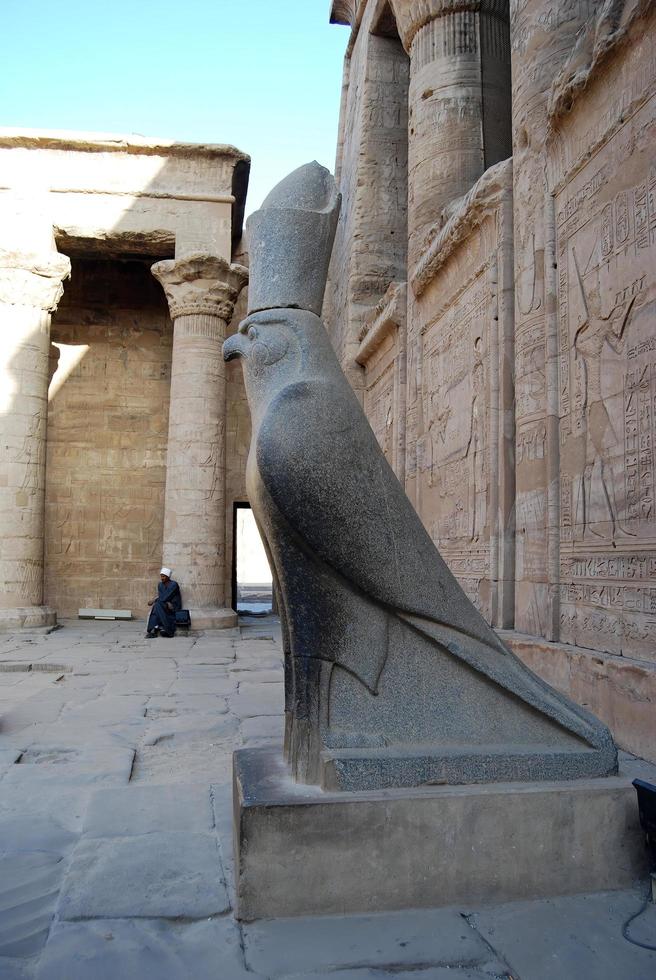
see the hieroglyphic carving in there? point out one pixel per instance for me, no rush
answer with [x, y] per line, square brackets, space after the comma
[462, 318]
[379, 409]
[606, 231]
[382, 354]
[454, 481]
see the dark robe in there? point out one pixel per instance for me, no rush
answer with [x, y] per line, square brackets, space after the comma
[160, 615]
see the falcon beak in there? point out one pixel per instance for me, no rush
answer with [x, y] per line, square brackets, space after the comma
[234, 346]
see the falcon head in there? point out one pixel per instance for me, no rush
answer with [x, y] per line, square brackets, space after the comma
[262, 341]
[276, 347]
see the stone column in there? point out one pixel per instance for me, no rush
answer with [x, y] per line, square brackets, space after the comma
[30, 288]
[201, 291]
[459, 101]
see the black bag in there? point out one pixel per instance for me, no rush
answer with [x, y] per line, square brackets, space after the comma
[182, 618]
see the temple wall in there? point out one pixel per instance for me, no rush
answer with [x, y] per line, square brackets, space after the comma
[107, 438]
[462, 341]
[520, 381]
[602, 175]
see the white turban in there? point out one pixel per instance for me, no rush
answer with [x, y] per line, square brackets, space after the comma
[165, 571]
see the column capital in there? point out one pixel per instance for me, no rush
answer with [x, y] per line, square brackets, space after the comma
[343, 11]
[34, 279]
[412, 15]
[200, 284]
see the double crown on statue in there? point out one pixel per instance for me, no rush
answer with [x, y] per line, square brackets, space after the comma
[290, 240]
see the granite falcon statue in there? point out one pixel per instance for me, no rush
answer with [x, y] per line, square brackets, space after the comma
[392, 677]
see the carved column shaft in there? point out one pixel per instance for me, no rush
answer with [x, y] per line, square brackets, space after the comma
[201, 291]
[30, 288]
[459, 101]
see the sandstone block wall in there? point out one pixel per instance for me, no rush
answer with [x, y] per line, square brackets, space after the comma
[107, 438]
[602, 177]
[461, 338]
[521, 381]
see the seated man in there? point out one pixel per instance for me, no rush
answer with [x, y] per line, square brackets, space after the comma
[162, 615]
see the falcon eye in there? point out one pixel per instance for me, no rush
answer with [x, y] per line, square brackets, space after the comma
[252, 333]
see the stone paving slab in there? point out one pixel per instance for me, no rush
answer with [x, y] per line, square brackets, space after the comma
[95, 765]
[16, 969]
[263, 726]
[38, 833]
[269, 701]
[257, 676]
[166, 801]
[138, 810]
[8, 757]
[29, 884]
[32, 800]
[144, 950]
[107, 710]
[213, 725]
[573, 938]
[143, 684]
[156, 875]
[23, 715]
[415, 940]
[180, 704]
[200, 685]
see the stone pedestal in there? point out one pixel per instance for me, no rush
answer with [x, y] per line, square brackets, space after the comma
[459, 97]
[301, 851]
[201, 291]
[30, 288]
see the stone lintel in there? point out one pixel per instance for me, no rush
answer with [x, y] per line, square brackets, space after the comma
[51, 139]
[33, 279]
[458, 220]
[200, 284]
[412, 15]
[388, 315]
[430, 846]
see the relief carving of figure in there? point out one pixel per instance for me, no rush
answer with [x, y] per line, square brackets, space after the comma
[476, 446]
[596, 331]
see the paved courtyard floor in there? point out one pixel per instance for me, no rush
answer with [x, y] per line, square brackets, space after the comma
[115, 834]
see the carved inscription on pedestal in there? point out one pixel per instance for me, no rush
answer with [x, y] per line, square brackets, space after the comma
[606, 234]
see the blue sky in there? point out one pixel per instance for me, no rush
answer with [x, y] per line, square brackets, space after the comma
[264, 75]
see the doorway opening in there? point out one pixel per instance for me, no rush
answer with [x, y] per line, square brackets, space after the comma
[252, 582]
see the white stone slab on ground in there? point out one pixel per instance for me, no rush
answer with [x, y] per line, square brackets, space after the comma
[579, 936]
[133, 949]
[418, 940]
[151, 876]
[149, 809]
